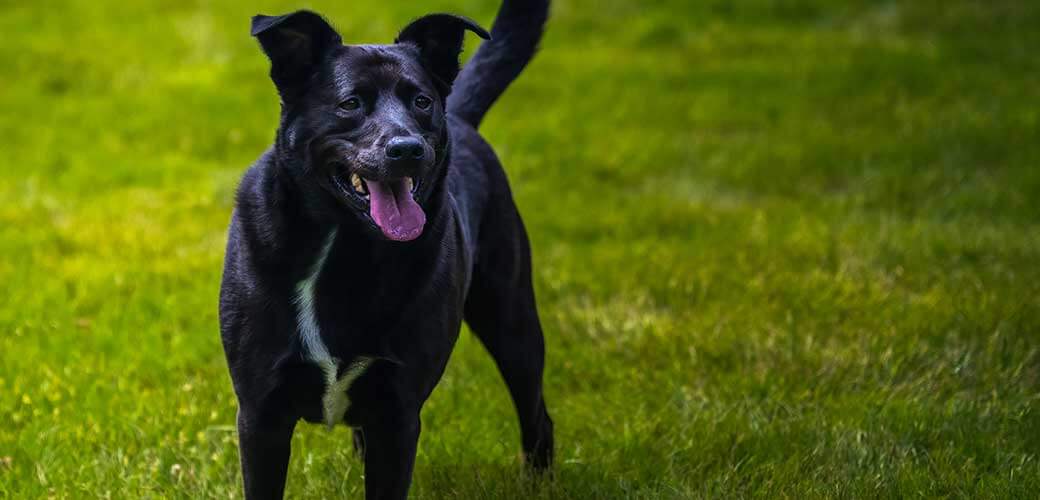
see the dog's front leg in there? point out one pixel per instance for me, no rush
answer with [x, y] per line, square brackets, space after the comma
[389, 456]
[264, 445]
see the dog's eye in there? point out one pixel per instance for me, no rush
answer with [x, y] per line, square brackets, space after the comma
[350, 104]
[423, 102]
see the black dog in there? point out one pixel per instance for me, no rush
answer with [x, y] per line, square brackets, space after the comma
[377, 222]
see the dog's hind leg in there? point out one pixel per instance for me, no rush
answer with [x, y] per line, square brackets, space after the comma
[359, 442]
[501, 311]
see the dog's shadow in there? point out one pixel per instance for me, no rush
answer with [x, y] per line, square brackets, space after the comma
[512, 480]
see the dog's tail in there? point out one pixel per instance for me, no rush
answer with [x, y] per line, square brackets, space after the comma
[514, 39]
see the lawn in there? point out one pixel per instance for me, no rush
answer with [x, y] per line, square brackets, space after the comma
[782, 248]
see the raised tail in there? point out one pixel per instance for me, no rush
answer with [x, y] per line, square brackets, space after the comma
[514, 39]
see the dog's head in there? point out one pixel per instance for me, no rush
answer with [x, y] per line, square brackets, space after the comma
[365, 124]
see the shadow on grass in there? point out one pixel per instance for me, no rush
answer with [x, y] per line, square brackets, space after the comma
[494, 481]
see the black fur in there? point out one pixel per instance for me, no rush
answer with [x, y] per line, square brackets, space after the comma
[514, 39]
[400, 303]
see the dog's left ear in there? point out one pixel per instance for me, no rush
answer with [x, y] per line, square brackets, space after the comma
[439, 38]
[295, 43]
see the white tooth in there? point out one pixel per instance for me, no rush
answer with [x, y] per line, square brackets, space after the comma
[356, 181]
[408, 183]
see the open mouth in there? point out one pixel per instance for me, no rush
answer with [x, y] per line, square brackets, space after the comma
[391, 204]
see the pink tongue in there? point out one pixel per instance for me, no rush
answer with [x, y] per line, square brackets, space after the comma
[394, 210]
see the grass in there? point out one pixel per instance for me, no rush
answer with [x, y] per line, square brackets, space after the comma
[782, 248]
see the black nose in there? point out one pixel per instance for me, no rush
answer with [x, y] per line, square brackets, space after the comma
[405, 148]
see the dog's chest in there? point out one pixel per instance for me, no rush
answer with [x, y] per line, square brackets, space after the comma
[338, 374]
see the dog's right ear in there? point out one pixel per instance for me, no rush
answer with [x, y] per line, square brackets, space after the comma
[295, 43]
[439, 40]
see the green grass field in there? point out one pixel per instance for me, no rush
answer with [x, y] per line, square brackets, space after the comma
[782, 248]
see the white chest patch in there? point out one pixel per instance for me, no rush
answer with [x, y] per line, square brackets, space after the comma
[334, 402]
